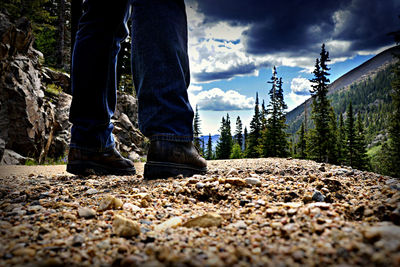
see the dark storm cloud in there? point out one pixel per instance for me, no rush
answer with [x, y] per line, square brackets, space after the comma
[221, 75]
[299, 27]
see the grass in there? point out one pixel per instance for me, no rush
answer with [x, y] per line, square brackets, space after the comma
[53, 89]
[48, 161]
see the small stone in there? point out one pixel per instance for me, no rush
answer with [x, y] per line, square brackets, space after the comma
[91, 191]
[192, 180]
[86, 213]
[253, 181]
[171, 223]
[130, 207]
[237, 225]
[207, 220]
[125, 227]
[318, 196]
[110, 202]
[232, 172]
[78, 240]
[200, 185]
[24, 252]
[236, 181]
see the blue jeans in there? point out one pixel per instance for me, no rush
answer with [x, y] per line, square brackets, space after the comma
[160, 67]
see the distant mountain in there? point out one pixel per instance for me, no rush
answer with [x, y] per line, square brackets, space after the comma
[366, 86]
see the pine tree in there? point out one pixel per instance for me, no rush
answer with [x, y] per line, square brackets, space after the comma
[332, 137]
[224, 145]
[255, 133]
[245, 139]
[361, 161]
[394, 125]
[341, 140]
[302, 144]
[209, 154]
[196, 129]
[238, 132]
[274, 142]
[320, 108]
[350, 136]
[263, 116]
[236, 152]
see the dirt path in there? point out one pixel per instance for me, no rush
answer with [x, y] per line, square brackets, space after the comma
[18, 170]
[253, 212]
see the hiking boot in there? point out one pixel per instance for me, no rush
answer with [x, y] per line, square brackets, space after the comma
[109, 162]
[169, 159]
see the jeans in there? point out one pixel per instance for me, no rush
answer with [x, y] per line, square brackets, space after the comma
[160, 67]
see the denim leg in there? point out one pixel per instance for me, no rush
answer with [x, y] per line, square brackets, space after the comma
[160, 68]
[101, 29]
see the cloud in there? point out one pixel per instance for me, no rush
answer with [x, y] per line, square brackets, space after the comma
[299, 91]
[300, 86]
[218, 100]
[231, 37]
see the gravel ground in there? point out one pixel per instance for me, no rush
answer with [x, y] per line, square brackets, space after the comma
[252, 212]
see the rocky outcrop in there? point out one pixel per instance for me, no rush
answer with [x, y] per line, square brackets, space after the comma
[35, 101]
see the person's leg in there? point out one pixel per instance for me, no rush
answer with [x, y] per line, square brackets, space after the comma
[161, 77]
[101, 29]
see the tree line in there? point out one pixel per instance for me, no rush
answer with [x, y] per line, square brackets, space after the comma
[330, 138]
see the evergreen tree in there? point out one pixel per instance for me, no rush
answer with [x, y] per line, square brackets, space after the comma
[350, 136]
[273, 141]
[302, 144]
[236, 152]
[255, 133]
[245, 139]
[238, 132]
[361, 157]
[341, 140]
[394, 125]
[196, 129]
[224, 146]
[209, 154]
[263, 116]
[320, 108]
[332, 137]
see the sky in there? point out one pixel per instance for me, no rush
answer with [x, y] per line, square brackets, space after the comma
[234, 44]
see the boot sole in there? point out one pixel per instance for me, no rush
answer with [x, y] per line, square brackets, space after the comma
[162, 170]
[92, 168]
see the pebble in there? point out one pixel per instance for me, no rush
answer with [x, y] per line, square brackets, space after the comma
[253, 181]
[86, 213]
[232, 172]
[206, 220]
[125, 227]
[130, 207]
[318, 196]
[236, 181]
[170, 223]
[110, 202]
[91, 191]
[200, 185]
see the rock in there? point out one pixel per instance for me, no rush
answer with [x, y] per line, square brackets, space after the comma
[110, 202]
[384, 235]
[78, 240]
[170, 223]
[237, 225]
[12, 158]
[236, 181]
[130, 207]
[200, 185]
[318, 196]
[25, 252]
[207, 220]
[91, 191]
[232, 172]
[86, 213]
[124, 227]
[253, 181]
[58, 78]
